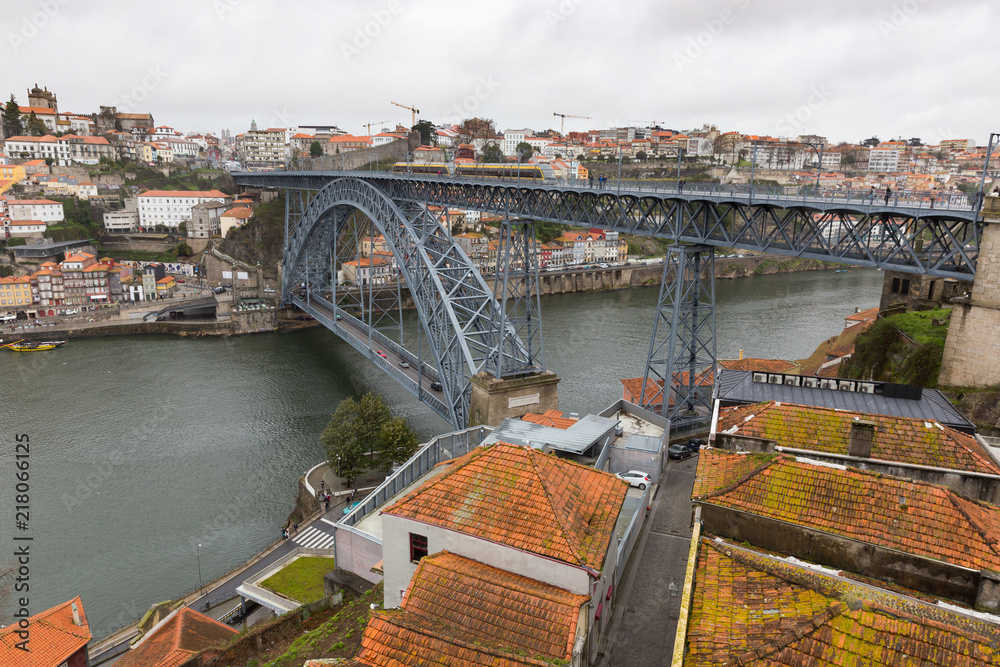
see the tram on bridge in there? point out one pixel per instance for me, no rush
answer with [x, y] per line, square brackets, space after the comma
[505, 171]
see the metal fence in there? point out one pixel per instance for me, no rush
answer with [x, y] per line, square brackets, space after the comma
[441, 448]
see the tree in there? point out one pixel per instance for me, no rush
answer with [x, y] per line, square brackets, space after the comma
[315, 149]
[581, 157]
[492, 153]
[183, 227]
[49, 161]
[353, 438]
[397, 443]
[524, 151]
[35, 126]
[12, 119]
[476, 128]
[641, 155]
[424, 127]
[915, 141]
[871, 141]
[184, 250]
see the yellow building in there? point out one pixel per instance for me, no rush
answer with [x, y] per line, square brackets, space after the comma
[15, 292]
[10, 174]
[165, 287]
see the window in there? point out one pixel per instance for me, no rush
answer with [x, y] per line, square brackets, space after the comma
[418, 547]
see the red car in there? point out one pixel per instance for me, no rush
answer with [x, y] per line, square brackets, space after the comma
[381, 354]
[180, 280]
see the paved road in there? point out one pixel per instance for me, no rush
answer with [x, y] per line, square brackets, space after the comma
[646, 619]
[317, 534]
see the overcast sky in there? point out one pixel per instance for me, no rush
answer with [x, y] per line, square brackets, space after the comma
[846, 69]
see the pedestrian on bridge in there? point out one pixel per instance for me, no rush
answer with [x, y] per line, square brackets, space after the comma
[871, 195]
[590, 180]
[888, 193]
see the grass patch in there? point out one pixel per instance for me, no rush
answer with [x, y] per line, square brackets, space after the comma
[301, 580]
[920, 326]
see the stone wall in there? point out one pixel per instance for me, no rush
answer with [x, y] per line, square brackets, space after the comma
[494, 400]
[972, 350]
[357, 159]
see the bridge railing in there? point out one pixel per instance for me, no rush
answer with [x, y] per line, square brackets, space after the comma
[792, 194]
[442, 448]
[326, 313]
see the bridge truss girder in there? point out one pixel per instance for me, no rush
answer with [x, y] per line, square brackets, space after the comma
[939, 243]
[520, 309]
[456, 309]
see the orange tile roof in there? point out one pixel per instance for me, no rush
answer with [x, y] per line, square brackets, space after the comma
[829, 430]
[748, 609]
[764, 365]
[931, 521]
[175, 640]
[241, 212]
[32, 202]
[164, 281]
[54, 637]
[869, 314]
[525, 499]
[654, 389]
[500, 608]
[552, 418]
[397, 638]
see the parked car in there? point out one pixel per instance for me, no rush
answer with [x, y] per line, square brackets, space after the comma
[679, 452]
[219, 290]
[603, 266]
[180, 280]
[694, 444]
[634, 478]
[268, 290]
[229, 285]
[404, 364]
[380, 353]
[71, 311]
[436, 386]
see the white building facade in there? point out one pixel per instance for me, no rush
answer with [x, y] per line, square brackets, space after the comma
[170, 208]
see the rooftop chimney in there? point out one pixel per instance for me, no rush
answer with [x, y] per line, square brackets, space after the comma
[862, 434]
[76, 615]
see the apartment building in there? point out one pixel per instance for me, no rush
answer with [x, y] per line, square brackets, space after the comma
[170, 208]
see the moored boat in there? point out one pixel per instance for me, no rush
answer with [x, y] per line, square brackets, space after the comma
[34, 346]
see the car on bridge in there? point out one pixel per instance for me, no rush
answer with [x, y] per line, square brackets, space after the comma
[404, 364]
[381, 354]
[436, 386]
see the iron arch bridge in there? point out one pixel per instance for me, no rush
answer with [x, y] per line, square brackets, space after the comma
[337, 269]
[461, 330]
[908, 232]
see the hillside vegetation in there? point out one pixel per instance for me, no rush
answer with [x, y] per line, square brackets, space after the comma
[905, 348]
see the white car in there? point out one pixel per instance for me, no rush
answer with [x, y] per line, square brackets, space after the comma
[635, 478]
[70, 312]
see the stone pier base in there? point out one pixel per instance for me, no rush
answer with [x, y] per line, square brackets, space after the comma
[972, 350]
[494, 400]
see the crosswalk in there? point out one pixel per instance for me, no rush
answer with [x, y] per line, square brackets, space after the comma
[312, 538]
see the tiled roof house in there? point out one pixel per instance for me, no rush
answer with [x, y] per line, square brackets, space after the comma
[514, 508]
[176, 639]
[58, 637]
[752, 609]
[898, 439]
[459, 612]
[915, 534]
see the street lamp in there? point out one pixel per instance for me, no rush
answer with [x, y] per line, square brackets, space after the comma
[680, 156]
[198, 555]
[819, 152]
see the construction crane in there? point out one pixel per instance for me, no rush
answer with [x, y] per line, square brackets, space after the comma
[413, 113]
[562, 121]
[650, 123]
[368, 126]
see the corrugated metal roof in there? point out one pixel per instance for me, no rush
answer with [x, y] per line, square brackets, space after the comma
[645, 443]
[576, 439]
[738, 387]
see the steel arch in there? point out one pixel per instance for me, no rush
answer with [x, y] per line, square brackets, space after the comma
[455, 306]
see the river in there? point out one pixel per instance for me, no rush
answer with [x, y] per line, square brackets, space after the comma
[143, 448]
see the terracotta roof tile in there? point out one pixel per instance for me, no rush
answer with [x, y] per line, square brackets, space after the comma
[525, 499]
[552, 418]
[828, 430]
[54, 637]
[498, 607]
[397, 638]
[172, 643]
[748, 609]
[913, 517]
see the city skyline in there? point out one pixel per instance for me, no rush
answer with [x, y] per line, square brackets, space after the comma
[889, 69]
